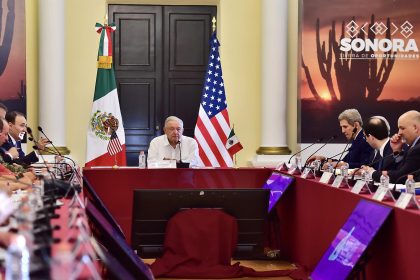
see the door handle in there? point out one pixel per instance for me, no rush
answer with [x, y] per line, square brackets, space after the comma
[157, 128]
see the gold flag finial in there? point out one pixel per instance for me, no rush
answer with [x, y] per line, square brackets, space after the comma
[214, 23]
[106, 19]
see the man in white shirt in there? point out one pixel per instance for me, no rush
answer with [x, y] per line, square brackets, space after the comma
[173, 145]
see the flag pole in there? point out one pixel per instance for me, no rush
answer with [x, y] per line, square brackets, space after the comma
[214, 23]
[106, 13]
[234, 156]
[115, 161]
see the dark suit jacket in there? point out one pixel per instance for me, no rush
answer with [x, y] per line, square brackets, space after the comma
[23, 159]
[384, 161]
[359, 152]
[409, 163]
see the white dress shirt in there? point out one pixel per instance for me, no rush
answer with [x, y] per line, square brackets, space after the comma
[160, 149]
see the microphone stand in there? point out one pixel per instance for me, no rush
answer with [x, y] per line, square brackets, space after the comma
[180, 156]
[317, 141]
[345, 148]
[332, 157]
[40, 130]
[322, 146]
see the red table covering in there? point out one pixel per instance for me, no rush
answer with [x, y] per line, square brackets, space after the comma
[199, 243]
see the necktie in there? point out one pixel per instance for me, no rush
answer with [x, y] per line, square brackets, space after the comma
[377, 160]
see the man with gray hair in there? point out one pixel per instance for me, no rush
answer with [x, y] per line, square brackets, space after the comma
[359, 151]
[173, 145]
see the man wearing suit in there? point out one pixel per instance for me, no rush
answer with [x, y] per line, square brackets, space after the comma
[408, 160]
[359, 151]
[13, 145]
[3, 110]
[4, 132]
[376, 130]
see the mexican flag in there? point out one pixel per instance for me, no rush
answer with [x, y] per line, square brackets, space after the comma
[105, 137]
[232, 144]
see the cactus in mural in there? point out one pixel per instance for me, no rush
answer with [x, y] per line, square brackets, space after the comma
[6, 43]
[358, 80]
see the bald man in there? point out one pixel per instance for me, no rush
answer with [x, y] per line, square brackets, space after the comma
[408, 160]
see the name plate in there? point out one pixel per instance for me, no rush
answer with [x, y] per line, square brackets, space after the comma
[294, 171]
[337, 181]
[326, 177]
[407, 200]
[162, 164]
[282, 167]
[359, 187]
[308, 173]
[383, 194]
[6, 207]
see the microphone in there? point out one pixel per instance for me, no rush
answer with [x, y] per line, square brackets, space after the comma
[32, 138]
[40, 130]
[345, 148]
[317, 141]
[180, 156]
[322, 146]
[332, 157]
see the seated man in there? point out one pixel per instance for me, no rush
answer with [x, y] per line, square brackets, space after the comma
[173, 145]
[3, 110]
[376, 130]
[359, 151]
[406, 143]
[4, 134]
[13, 145]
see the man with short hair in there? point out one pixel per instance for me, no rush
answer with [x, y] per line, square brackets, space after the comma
[359, 151]
[17, 124]
[376, 130]
[406, 144]
[4, 133]
[3, 110]
[172, 145]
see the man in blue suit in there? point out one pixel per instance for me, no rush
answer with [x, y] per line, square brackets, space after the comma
[359, 151]
[351, 126]
[376, 130]
[13, 145]
[406, 144]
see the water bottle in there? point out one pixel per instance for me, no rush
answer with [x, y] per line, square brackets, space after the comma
[330, 167]
[63, 261]
[410, 184]
[298, 161]
[316, 164]
[17, 259]
[344, 170]
[142, 160]
[384, 180]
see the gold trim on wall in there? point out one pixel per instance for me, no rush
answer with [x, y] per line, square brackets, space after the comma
[273, 151]
[62, 150]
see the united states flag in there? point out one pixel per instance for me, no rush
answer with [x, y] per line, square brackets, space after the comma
[213, 126]
[114, 144]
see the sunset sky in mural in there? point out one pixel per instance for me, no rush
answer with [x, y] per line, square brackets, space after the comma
[15, 69]
[403, 82]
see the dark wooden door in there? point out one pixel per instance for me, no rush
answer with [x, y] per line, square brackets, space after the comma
[160, 56]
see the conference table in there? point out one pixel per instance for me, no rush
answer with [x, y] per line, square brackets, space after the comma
[308, 215]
